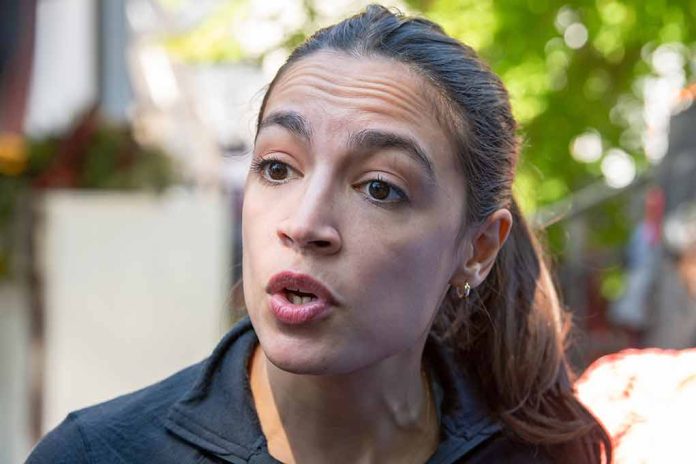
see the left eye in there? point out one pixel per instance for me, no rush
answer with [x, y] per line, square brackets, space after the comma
[383, 192]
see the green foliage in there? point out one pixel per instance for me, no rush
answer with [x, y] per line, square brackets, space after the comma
[10, 189]
[559, 92]
[613, 283]
[116, 162]
[211, 41]
[111, 160]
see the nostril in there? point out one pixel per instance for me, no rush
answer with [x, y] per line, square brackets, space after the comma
[324, 240]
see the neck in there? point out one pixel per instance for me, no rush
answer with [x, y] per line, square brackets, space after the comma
[382, 413]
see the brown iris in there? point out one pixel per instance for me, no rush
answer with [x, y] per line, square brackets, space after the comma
[277, 171]
[379, 190]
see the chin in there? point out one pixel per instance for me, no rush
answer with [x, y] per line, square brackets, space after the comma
[299, 350]
[298, 357]
[298, 365]
[308, 354]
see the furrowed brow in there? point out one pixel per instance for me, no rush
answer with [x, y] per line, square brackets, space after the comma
[371, 140]
[290, 120]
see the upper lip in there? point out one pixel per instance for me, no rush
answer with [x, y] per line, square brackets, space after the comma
[297, 281]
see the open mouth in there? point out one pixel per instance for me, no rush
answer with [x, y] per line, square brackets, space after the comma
[299, 289]
[295, 296]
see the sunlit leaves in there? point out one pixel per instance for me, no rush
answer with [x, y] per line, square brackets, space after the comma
[474, 22]
[527, 83]
[213, 39]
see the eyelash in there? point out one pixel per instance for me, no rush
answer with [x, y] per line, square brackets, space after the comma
[259, 165]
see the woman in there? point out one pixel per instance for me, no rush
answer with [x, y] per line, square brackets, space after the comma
[399, 310]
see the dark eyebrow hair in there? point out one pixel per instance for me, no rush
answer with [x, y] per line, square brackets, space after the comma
[375, 140]
[290, 120]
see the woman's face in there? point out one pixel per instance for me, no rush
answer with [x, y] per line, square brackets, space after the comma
[355, 184]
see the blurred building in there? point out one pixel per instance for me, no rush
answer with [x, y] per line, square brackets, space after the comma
[111, 291]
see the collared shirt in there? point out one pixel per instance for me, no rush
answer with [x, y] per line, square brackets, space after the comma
[205, 414]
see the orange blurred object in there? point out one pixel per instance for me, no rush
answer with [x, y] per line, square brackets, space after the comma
[13, 156]
[646, 400]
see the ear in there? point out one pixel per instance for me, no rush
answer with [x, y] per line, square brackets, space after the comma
[481, 248]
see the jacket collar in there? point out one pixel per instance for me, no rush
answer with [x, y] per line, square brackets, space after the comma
[217, 414]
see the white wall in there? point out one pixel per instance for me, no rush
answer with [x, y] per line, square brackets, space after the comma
[135, 289]
[14, 371]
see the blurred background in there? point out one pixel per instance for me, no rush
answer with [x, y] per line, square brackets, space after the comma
[124, 130]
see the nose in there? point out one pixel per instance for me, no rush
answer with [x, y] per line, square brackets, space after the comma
[311, 227]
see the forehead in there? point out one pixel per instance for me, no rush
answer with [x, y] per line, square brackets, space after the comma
[339, 91]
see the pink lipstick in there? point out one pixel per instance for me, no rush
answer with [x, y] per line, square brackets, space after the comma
[298, 298]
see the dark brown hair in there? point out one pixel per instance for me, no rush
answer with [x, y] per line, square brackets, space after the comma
[510, 332]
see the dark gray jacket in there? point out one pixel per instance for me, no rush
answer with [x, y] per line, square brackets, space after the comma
[205, 414]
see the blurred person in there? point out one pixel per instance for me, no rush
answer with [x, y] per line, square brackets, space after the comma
[399, 309]
[632, 310]
[673, 319]
[672, 322]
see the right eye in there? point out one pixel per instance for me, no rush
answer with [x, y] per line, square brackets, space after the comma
[272, 170]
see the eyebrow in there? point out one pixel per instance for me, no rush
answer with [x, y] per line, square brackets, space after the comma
[372, 140]
[367, 140]
[290, 120]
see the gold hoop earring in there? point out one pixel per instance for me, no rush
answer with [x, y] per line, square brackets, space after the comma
[463, 293]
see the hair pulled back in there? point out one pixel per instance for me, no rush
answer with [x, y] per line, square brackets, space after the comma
[510, 333]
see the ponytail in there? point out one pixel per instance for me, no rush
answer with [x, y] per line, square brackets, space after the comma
[510, 333]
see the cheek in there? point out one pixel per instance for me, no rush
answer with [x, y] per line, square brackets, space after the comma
[404, 273]
[259, 218]
[256, 233]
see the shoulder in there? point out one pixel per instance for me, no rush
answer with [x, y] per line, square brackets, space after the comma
[63, 445]
[122, 423]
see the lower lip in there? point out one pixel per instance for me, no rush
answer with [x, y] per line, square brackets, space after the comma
[294, 314]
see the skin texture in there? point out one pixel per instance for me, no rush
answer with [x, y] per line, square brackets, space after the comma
[349, 387]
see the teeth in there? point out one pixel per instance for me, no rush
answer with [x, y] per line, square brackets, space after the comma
[299, 300]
